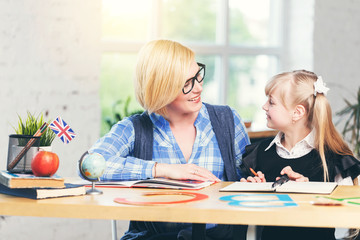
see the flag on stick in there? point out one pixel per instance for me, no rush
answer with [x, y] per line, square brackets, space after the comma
[62, 130]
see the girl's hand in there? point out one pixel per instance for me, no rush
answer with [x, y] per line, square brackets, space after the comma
[184, 172]
[257, 179]
[293, 175]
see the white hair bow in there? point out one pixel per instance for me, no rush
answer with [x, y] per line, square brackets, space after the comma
[320, 87]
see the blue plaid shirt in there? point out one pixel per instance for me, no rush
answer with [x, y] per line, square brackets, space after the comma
[117, 148]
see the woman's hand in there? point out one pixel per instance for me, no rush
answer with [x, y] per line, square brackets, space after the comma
[293, 175]
[257, 179]
[184, 171]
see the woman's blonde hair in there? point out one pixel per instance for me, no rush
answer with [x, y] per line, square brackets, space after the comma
[318, 110]
[160, 74]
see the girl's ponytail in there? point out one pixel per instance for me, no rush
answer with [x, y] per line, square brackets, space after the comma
[327, 137]
[320, 123]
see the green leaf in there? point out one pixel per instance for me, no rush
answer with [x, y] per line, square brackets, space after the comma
[117, 117]
[120, 110]
[126, 106]
[109, 122]
[357, 123]
[31, 124]
[351, 115]
[347, 123]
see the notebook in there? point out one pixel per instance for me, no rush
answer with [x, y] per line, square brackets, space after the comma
[288, 187]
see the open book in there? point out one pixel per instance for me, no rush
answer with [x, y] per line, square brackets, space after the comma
[153, 183]
[288, 187]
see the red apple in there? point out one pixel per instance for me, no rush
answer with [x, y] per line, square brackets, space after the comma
[45, 164]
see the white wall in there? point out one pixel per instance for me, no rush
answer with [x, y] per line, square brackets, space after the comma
[337, 48]
[49, 62]
[298, 38]
[324, 36]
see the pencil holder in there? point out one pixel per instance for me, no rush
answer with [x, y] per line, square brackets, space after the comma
[17, 144]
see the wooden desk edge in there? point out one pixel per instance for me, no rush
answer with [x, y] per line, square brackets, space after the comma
[103, 207]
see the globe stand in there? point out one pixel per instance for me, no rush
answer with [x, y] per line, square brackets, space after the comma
[91, 167]
[93, 190]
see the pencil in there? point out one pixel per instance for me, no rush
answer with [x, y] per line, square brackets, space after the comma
[40, 130]
[27, 147]
[253, 172]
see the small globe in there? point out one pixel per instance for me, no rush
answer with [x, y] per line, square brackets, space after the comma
[92, 166]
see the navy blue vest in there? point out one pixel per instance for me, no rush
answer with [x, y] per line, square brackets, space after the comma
[222, 121]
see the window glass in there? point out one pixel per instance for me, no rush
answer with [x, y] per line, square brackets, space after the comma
[117, 74]
[254, 23]
[189, 20]
[248, 76]
[211, 92]
[253, 26]
[126, 20]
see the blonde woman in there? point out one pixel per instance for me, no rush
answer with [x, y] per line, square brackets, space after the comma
[307, 147]
[177, 136]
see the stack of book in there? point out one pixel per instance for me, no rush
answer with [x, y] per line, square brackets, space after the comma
[30, 186]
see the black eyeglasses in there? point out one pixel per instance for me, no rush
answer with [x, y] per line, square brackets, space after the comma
[199, 77]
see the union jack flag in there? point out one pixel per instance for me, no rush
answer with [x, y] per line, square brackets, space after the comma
[62, 130]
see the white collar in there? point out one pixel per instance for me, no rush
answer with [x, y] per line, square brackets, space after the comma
[308, 141]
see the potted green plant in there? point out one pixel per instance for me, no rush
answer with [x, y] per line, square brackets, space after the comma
[31, 124]
[25, 131]
[351, 115]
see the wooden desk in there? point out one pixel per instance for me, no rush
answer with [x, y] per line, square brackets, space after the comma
[210, 210]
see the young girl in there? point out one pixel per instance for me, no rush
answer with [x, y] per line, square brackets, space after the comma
[307, 147]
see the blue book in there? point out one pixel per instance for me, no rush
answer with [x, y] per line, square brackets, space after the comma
[42, 193]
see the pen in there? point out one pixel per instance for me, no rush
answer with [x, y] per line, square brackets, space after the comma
[253, 172]
[27, 147]
[283, 179]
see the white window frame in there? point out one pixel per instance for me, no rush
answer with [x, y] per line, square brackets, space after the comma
[222, 48]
